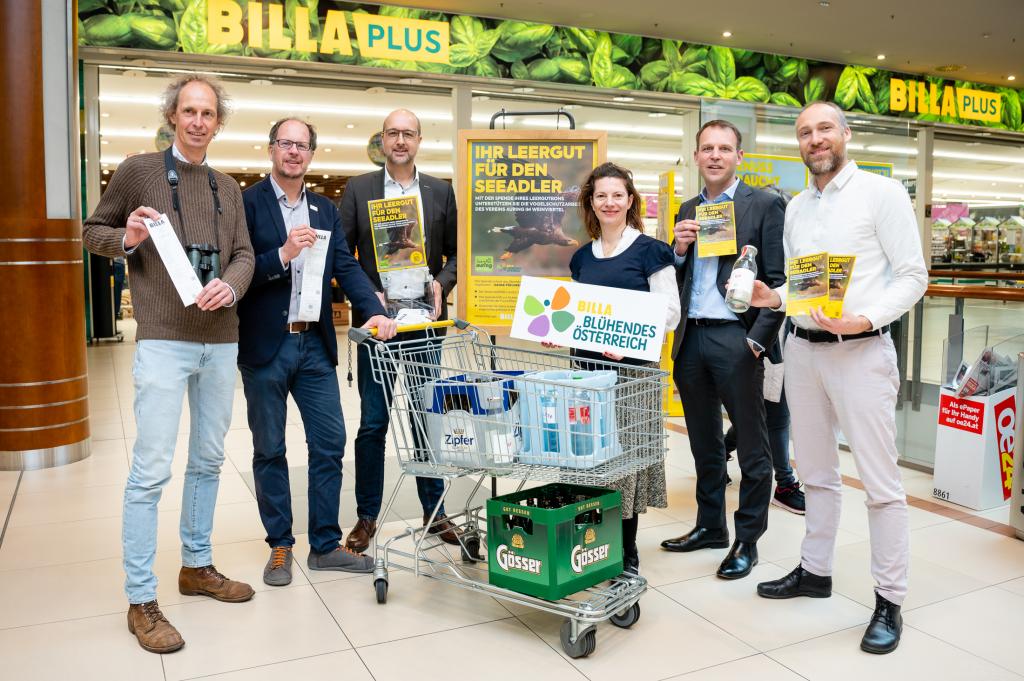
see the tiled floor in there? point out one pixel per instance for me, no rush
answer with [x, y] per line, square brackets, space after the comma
[62, 606]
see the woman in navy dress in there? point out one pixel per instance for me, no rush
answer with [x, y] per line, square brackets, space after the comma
[622, 256]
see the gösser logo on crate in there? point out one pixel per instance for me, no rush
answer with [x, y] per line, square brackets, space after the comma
[513, 561]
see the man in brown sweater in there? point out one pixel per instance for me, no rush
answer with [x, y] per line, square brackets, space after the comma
[180, 347]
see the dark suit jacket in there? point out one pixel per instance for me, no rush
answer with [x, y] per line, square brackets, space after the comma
[760, 218]
[440, 221]
[263, 312]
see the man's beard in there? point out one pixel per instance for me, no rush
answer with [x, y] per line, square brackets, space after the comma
[826, 165]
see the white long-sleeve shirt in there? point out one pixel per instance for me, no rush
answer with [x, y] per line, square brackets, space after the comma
[868, 216]
[662, 282]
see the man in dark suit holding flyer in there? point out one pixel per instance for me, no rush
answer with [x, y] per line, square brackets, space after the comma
[287, 345]
[718, 353]
[401, 137]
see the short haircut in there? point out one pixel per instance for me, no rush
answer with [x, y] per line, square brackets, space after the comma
[419, 127]
[720, 123]
[309, 126]
[169, 100]
[840, 114]
[586, 206]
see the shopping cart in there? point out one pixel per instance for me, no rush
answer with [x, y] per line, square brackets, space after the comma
[463, 407]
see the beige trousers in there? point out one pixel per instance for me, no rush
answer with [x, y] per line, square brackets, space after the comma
[852, 386]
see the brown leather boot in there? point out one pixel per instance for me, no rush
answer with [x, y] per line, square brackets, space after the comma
[206, 581]
[443, 528]
[154, 632]
[359, 537]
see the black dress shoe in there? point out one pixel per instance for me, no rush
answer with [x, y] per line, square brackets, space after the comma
[741, 560]
[698, 538]
[883, 633]
[799, 582]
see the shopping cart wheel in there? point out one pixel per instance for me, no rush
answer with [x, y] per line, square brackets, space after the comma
[471, 550]
[584, 645]
[381, 586]
[627, 617]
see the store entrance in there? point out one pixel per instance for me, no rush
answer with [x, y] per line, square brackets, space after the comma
[348, 117]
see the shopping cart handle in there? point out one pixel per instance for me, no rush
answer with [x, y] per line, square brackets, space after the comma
[358, 336]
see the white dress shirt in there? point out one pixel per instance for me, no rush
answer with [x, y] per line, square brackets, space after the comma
[868, 216]
[294, 215]
[662, 282]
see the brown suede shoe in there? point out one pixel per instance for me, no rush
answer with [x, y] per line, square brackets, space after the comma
[206, 581]
[154, 632]
[444, 529]
[358, 539]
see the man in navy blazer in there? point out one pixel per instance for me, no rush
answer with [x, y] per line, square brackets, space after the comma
[280, 352]
[718, 353]
[401, 136]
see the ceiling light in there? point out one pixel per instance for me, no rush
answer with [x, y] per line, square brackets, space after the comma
[635, 129]
[261, 82]
[823, 3]
[242, 183]
[245, 167]
[881, 57]
[106, 172]
[523, 90]
[480, 98]
[1011, 78]
[326, 176]
[410, 81]
[104, 142]
[376, 90]
[257, 147]
[657, 114]
[350, 125]
[327, 150]
[103, 182]
[283, 71]
[644, 156]
[624, 98]
[337, 191]
[726, 34]
[106, 115]
[949, 68]
[263, 174]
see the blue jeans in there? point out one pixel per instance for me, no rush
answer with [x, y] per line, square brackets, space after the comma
[777, 421]
[370, 440]
[303, 368]
[163, 372]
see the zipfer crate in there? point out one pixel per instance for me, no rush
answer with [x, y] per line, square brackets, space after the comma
[554, 540]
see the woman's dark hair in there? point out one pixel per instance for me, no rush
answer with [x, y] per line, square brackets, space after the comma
[586, 204]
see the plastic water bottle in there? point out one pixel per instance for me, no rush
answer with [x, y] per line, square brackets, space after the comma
[741, 283]
[549, 421]
[581, 427]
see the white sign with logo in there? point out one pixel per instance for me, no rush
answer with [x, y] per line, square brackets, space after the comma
[586, 317]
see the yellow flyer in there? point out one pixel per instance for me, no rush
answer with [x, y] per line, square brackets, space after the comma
[717, 233]
[397, 228]
[808, 284]
[840, 269]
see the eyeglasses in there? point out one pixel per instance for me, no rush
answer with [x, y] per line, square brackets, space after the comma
[394, 134]
[286, 145]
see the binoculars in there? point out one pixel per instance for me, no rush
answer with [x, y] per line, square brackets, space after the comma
[205, 261]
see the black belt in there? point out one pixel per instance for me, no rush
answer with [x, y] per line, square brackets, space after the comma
[698, 321]
[826, 337]
[299, 327]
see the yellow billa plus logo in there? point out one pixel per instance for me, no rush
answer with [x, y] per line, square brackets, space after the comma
[517, 541]
[589, 537]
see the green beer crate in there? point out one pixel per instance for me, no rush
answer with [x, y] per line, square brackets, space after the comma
[554, 540]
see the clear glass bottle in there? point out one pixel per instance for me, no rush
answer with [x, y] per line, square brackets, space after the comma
[581, 427]
[741, 283]
[549, 421]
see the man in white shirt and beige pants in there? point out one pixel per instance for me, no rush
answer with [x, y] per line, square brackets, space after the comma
[841, 373]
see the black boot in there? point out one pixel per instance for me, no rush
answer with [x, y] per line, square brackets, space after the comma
[883, 633]
[740, 561]
[799, 582]
[631, 562]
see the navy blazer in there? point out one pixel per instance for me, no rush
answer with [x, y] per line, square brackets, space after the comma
[440, 220]
[760, 218]
[263, 312]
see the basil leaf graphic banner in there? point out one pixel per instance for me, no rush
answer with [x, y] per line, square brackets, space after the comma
[384, 36]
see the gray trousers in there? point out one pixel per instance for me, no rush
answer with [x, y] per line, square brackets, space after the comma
[852, 386]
